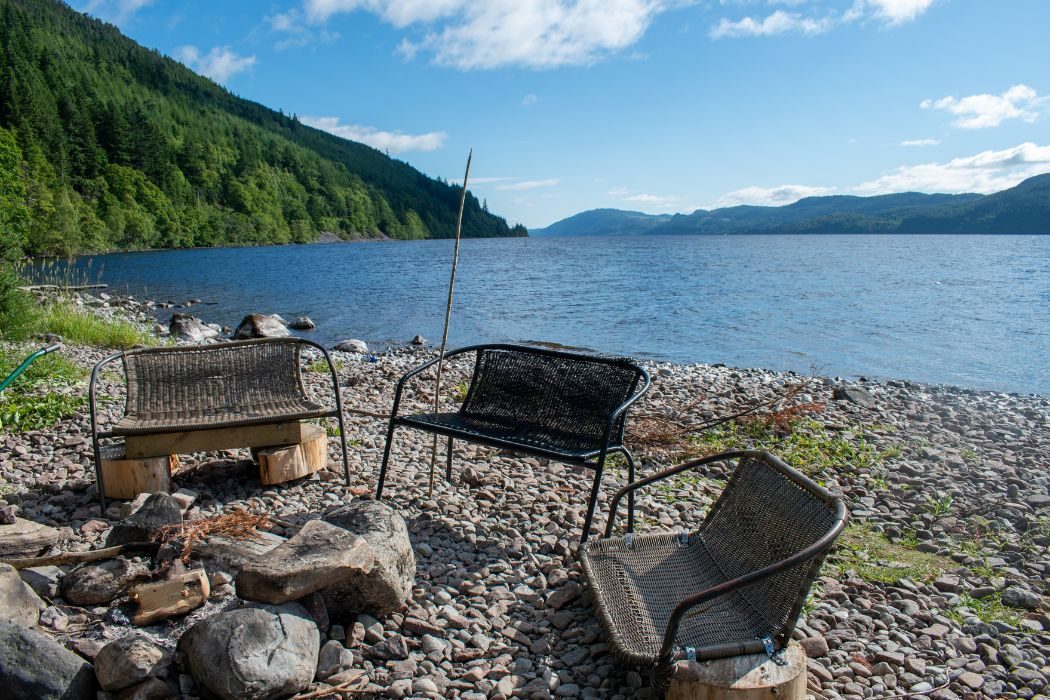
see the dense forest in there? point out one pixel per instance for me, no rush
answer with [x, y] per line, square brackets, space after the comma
[107, 145]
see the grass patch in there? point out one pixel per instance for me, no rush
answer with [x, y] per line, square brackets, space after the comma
[987, 609]
[30, 403]
[808, 446]
[85, 328]
[875, 559]
[320, 366]
[460, 394]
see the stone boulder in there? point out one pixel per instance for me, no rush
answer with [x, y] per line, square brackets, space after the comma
[25, 538]
[386, 588]
[853, 394]
[352, 345]
[18, 602]
[191, 328]
[101, 582]
[260, 326]
[36, 667]
[317, 556]
[129, 661]
[159, 509]
[419, 340]
[302, 323]
[257, 652]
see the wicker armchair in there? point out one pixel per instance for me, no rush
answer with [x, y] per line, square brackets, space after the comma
[734, 586]
[209, 387]
[566, 406]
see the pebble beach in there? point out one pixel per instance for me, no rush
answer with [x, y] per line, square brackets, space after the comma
[939, 588]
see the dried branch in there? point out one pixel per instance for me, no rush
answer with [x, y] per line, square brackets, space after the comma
[80, 557]
[238, 525]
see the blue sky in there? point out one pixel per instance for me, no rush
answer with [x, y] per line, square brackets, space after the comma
[651, 105]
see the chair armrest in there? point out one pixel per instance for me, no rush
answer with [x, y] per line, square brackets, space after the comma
[416, 370]
[333, 372]
[707, 594]
[685, 466]
[92, 385]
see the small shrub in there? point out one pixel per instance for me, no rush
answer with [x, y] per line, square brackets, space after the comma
[22, 412]
[85, 328]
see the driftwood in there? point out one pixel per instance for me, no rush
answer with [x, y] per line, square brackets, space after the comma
[176, 595]
[81, 557]
[61, 287]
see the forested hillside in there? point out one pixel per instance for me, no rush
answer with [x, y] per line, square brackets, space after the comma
[107, 145]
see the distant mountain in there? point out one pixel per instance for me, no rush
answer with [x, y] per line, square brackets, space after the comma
[1023, 209]
[603, 222]
[109, 145]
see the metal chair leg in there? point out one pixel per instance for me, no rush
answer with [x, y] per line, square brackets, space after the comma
[593, 499]
[630, 496]
[386, 458]
[346, 454]
[448, 462]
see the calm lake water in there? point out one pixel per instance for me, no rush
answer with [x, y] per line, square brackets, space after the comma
[966, 310]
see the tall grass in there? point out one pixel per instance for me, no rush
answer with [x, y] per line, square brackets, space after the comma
[83, 327]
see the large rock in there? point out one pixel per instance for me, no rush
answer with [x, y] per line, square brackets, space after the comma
[130, 660]
[24, 538]
[191, 328]
[18, 602]
[260, 326]
[352, 345]
[302, 323]
[853, 394]
[36, 667]
[319, 555]
[386, 588]
[160, 509]
[97, 583]
[255, 652]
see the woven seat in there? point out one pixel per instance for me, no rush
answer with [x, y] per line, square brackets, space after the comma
[736, 583]
[211, 387]
[566, 406]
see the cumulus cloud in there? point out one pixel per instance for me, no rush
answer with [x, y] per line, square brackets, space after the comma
[296, 31]
[392, 141]
[921, 142]
[780, 22]
[116, 11]
[898, 11]
[983, 111]
[771, 196]
[470, 35]
[219, 64]
[985, 172]
[528, 185]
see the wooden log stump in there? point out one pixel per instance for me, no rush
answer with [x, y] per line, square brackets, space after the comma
[124, 477]
[753, 677]
[279, 464]
[174, 596]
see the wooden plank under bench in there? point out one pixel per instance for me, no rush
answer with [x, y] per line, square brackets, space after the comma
[159, 444]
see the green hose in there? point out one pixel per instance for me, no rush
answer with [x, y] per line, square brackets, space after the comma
[28, 361]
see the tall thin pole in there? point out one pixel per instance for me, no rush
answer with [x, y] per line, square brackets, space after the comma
[448, 316]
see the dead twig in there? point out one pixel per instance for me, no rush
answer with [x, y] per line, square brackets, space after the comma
[238, 525]
[341, 689]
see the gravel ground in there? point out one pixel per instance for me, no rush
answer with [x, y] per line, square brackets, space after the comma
[939, 587]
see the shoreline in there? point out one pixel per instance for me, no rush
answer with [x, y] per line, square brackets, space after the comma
[954, 479]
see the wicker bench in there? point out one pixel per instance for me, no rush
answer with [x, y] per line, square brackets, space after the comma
[566, 406]
[734, 586]
[212, 397]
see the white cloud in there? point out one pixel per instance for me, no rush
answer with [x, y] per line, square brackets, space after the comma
[478, 180]
[986, 172]
[817, 21]
[468, 35]
[219, 64]
[116, 11]
[898, 11]
[529, 185]
[982, 111]
[779, 22]
[921, 142]
[392, 141]
[297, 33]
[528, 100]
[770, 196]
[653, 202]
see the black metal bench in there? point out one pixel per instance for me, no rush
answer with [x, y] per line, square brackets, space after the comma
[734, 586]
[214, 392]
[566, 406]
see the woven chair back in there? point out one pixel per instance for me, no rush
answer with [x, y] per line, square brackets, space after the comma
[211, 380]
[764, 516]
[563, 395]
